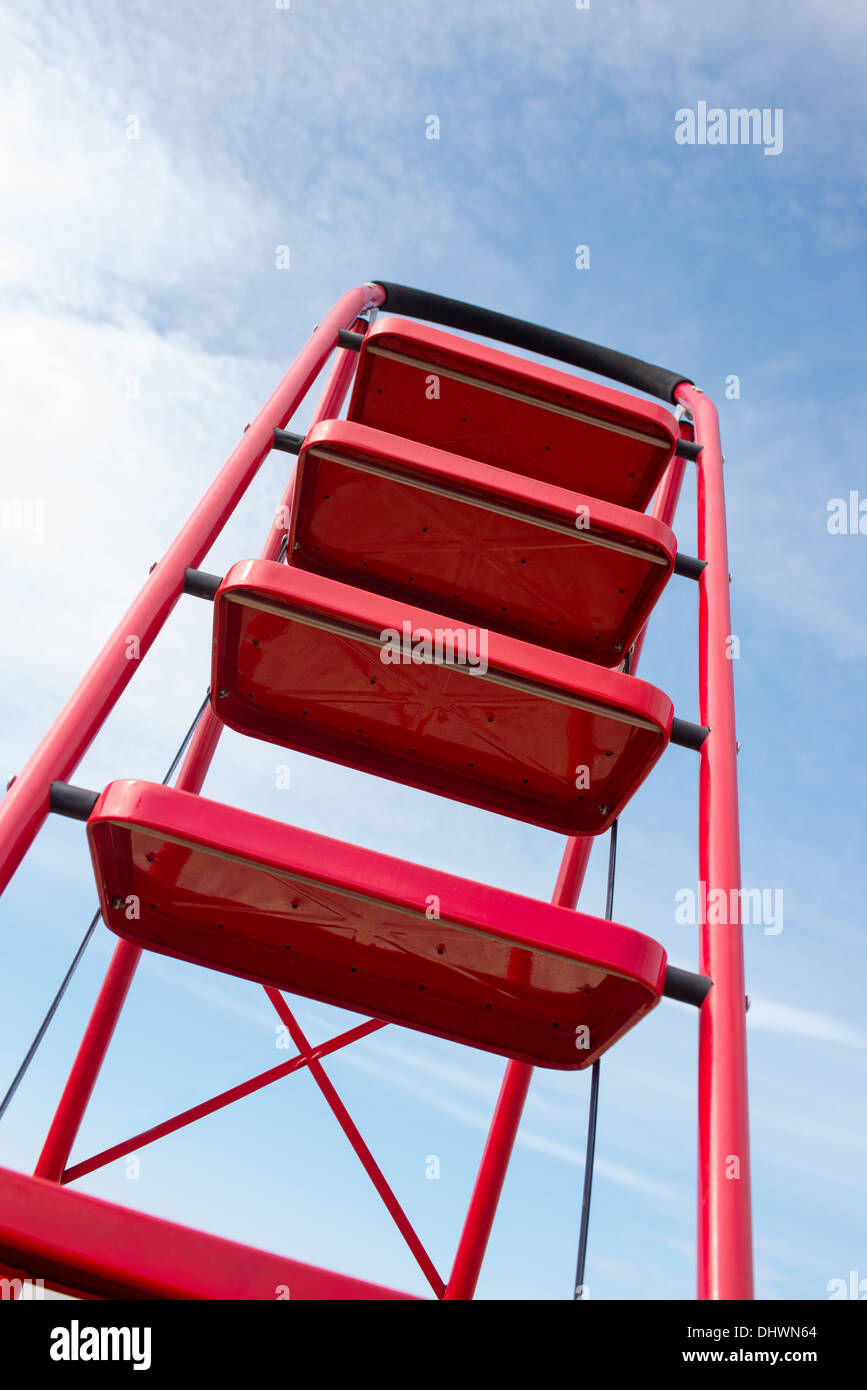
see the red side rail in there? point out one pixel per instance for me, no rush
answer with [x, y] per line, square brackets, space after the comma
[724, 1254]
[725, 1266]
[25, 805]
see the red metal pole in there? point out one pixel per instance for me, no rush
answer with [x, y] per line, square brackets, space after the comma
[115, 986]
[516, 1081]
[87, 1064]
[725, 1262]
[203, 745]
[25, 805]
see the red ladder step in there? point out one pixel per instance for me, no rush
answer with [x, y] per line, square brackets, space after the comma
[538, 562]
[489, 405]
[286, 907]
[303, 661]
[89, 1248]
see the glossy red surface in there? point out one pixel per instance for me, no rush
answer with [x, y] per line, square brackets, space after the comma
[540, 736]
[491, 548]
[88, 1247]
[488, 405]
[236, 892]
[725, 1260]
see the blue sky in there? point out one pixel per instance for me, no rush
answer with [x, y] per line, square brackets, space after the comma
[145, 322]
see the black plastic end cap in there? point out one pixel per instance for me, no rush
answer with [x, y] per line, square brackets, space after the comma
[287, 441]
[689, 566]
[688, 449]
[347, 339]
[686, 987]
[75, 802]
[688, 735]
[200, 584]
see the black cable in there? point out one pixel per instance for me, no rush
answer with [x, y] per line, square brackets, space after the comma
[588, 1182]
[594, 1074]
[55, 1003]
[186, 739]
[594, 1101]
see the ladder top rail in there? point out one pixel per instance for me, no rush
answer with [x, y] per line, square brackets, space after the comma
[548, 342]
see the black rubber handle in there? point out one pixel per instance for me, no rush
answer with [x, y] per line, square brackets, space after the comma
[469, 318]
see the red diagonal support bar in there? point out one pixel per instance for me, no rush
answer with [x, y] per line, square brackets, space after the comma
[219, 1102]
[351, 1131]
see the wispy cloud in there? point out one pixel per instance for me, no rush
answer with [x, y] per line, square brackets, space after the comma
[804, 1024]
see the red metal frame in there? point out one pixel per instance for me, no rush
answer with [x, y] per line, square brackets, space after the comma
[103, 1251]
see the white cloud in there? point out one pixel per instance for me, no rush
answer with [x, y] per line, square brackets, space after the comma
[804, 1024]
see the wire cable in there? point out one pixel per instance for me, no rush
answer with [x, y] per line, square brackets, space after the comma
[594, 1077]
[594, 1102]
[55, 1003]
